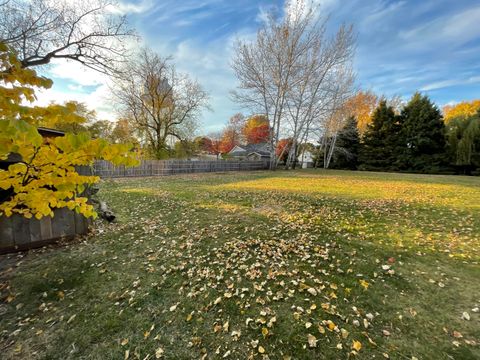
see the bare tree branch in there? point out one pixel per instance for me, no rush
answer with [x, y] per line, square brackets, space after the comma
[294, 73]
[87, 31]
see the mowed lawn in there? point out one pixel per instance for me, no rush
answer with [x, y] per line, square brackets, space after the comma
[274, 265]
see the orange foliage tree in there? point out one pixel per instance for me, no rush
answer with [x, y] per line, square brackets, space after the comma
[283, 148]
[228, 141]
[463, 110]
[256, 129]
[361, 106]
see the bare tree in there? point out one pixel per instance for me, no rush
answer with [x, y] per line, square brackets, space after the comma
[289, 72]
[160, 102]
[88, 31]
[235, 126]
[322, 86]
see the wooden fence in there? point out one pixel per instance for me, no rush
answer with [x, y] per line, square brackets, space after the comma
[105, 169]
[19, 233]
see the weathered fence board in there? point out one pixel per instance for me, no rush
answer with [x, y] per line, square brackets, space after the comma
[19, 233]
[106, 169]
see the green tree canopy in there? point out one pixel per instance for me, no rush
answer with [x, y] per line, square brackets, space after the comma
[347, 147]
[422, 136]
[380, 142]
[463, 138]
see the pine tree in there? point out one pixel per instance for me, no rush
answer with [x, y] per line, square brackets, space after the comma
[347, 147]
[380, 144]
[422, 136]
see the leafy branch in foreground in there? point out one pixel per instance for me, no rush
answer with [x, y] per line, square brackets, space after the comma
[45, 176]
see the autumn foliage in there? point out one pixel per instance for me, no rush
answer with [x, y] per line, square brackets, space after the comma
[256, 129]
[462, 110]
[361, 106]
[283, 148]
[45, 176]
[228, 141]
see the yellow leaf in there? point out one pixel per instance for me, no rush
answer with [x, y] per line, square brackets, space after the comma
[356, 345]
[364, 284]
[264, 332]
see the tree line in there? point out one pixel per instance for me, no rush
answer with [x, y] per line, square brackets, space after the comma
[416, 137]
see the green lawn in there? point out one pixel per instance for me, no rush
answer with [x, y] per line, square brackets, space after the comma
[278, 265]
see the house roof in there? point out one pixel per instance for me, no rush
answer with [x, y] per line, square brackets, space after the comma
[262, 154]
[50, 132]
[261, 149]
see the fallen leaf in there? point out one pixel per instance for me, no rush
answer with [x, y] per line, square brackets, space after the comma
[356, 345]
[158, 353]
[71, 318]
[364, 284]
[312, 341]
[264, 332]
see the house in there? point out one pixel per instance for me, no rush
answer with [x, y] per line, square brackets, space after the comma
[259, 151]
[305, 159]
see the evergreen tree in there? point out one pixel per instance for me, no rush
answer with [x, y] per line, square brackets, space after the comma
[347, 147]
[380, 142]
[422, 136]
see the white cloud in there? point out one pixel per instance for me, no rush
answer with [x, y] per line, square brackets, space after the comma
[98, 100]
[452, 82]
[381, 11]
[449, 30]
[298, 8]
[124, 8]
[74, 87]
[76, 72]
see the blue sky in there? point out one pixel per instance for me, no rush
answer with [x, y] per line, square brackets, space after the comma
[403, 46]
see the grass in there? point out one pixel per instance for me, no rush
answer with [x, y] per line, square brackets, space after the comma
[300, 265]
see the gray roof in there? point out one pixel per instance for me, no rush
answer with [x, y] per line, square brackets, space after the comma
[261, 148]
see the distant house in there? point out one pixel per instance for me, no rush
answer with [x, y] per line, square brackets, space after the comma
[251, 152]
[305, 159]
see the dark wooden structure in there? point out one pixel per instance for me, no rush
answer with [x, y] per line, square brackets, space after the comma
[19, 233]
